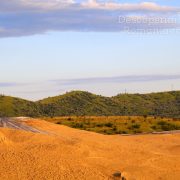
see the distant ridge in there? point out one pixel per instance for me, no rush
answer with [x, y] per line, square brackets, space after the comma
[81, 103]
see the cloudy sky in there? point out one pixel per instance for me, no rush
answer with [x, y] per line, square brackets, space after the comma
[48, 47]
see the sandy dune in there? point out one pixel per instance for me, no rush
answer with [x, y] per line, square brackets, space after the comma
[67, 154]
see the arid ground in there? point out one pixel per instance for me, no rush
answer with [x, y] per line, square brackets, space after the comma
[60, 152]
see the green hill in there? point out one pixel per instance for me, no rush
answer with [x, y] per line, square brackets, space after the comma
[158, 104]
[82, 103]
[10, 106]
[78, 103]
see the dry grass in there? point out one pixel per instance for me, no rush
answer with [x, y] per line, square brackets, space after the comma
[119, 124]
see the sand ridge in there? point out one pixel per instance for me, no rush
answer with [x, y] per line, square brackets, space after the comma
[66, 153]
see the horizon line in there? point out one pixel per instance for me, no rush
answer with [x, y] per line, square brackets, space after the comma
[68, 92]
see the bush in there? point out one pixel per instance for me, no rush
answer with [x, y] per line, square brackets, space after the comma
[169, 127]
[154, 127]
[114, 128]
[109, 124]
[166, 126]
[99, 125]
[136, 126]
[137, 131]
[145, 116]
[133, 121]
[122, 132]
[78, 125]
[162, 123]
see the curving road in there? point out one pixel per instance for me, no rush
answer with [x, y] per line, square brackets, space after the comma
[15, 124]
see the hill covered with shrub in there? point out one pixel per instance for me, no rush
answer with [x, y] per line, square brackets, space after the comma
[80, 103]
[12, 107]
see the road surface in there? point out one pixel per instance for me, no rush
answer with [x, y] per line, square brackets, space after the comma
[160, 132]
[14, 123]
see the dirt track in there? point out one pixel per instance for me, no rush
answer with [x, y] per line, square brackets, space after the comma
[14, 123]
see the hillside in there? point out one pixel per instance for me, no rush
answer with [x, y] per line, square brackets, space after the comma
[82, 103]
[79, 103]
[10, 106]
[158, 104]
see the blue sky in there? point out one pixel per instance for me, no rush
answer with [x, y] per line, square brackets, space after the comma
[47, 48]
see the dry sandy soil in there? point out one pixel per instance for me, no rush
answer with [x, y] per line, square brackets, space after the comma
[68, 154]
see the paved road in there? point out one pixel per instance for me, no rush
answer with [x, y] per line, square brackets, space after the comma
[16, 124]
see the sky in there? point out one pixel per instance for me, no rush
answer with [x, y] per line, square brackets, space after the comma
[49, 47]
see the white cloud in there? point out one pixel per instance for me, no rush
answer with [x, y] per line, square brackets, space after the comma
[126, 6]
[33, 5]
[89, 4]
[28, 17]
[47, 4]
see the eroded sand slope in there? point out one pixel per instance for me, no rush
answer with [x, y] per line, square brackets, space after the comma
[68, 154]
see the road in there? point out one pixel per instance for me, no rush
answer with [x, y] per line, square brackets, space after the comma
[160, 132]
[14, 123]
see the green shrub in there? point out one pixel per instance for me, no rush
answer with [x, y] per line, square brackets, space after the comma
[136, 126]
[99, 125]
[154, 127]
[109, 124]
[114, 128]
[166, 126]
[78, 125]
[161, 123]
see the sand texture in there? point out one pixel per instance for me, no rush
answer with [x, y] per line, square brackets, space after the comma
[68, 154]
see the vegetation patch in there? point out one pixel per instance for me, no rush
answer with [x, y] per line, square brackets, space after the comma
[118, 124]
